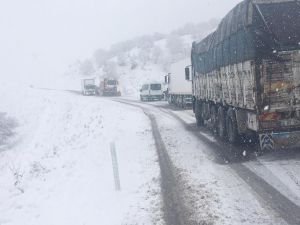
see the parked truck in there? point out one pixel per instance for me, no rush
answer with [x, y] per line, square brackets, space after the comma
[179, 90]
[88, 86]
[246, 74]
[109, 87]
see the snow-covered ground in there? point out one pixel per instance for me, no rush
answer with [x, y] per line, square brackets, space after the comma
[56, 165]
[57, 169]
[281, 169]
[215, 193]
[219, 192]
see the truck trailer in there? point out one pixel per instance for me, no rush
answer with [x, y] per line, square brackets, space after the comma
[246, 74]
[179, 90]
[88, 86]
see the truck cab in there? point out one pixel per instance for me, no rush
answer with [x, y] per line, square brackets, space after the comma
[88, 87]
[109, 87]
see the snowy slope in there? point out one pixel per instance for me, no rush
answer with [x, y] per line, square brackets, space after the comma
[146, 62]
[58, 170]
[153, 70]
[132, 80]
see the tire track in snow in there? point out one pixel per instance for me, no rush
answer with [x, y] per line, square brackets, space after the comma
[267, 194]
[175, 212]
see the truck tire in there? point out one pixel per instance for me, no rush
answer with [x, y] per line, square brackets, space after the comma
[169, 100]
[214, 119]
[182, 102]
[231, 126]
[221, 121]
[198, 113]
[194, 104]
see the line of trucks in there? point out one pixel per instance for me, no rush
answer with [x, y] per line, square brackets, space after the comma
[246, 74]
[106, 87]
[243, 79]
[176, 89]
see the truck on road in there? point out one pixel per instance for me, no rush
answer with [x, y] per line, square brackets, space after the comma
[109, 87]
[88, 86]
[179, 90]
[246, 74]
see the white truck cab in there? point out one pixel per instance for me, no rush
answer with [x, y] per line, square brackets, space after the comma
[151, 92]
[88, 86]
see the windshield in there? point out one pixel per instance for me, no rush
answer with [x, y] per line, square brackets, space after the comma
[112, 82]
[89, 82]
[90, 86]
[145, 87]
[155, 87]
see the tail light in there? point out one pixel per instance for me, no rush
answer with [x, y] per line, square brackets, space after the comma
[272, 116]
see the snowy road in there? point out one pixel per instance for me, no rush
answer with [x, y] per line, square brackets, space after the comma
[58, 168]
[220, 187]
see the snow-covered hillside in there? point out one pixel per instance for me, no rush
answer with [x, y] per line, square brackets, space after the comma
[144, 59]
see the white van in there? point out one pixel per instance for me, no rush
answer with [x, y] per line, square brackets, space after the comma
[151, 92]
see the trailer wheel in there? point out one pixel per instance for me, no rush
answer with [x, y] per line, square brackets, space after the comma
[194, 103]
[214, 119]
[232, 130]
[221, 122]
[198, 114]
[169, 99]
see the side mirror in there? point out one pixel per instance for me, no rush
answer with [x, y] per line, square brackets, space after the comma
[167, 79]
[187, 73]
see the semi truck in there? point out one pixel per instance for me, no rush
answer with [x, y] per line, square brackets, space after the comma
[246, 74]
[88, 86]
[109, 87]
[179, 90]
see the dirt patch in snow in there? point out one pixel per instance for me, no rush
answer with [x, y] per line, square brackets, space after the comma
[199, 209]
[7, 129]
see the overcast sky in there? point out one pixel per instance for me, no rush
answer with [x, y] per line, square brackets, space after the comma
[46, 35]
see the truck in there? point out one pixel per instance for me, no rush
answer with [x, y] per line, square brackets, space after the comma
[246, 74]
[109, 87]
[88, 86]
[151, 91]
[179, 91]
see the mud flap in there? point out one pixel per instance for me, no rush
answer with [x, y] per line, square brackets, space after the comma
[266, 142]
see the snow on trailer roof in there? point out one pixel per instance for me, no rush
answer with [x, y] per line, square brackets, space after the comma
[241, 16]
[234, 20]
[251, 30]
